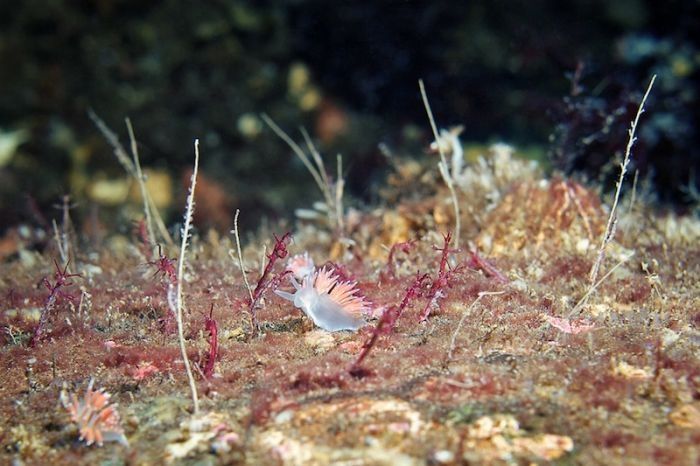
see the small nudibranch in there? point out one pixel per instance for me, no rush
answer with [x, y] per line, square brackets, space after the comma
[332, 305]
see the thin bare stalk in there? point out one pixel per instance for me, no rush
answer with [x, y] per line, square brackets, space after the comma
[142, 185]
[316, 156]
[180, 271]
[339, 187]
[466, 312]
[67, 230]
[633, 197]
[262, 259]
[64, 235]
[612, 219]
[332, 192]
[59, 243]
[240, 255]
[162, 229]
[592, 288]
[442, 166]
[80, 303]
[299, 153]
[150, 209]
[113, 140]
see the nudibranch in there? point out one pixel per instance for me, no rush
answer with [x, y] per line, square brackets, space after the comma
[332, 304]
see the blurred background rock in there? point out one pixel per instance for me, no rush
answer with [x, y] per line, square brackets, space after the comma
[559, 79]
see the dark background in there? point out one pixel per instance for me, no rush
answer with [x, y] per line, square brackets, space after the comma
[562, 79]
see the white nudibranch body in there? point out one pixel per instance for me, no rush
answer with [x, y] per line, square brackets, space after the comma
[332, 305]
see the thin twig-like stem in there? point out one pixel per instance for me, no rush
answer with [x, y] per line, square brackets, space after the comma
[339, 187]
[466, 312]
[142, 185]
[612, 219]
[316, 155]
[298, 151]
[113, 140]
[442, 166]
[121, 155]
[164, 233]
[240, 255]
[59, 243]
[332, 192]
[633, 197]
[180, 271]
[592, 288]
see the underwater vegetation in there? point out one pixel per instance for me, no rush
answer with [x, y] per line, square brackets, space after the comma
[484, 312]
[240, 233]
[590, 120]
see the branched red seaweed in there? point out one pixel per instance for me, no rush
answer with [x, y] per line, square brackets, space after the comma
[62, 279]
[265, 282]
[387, 322]
[442, 281]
